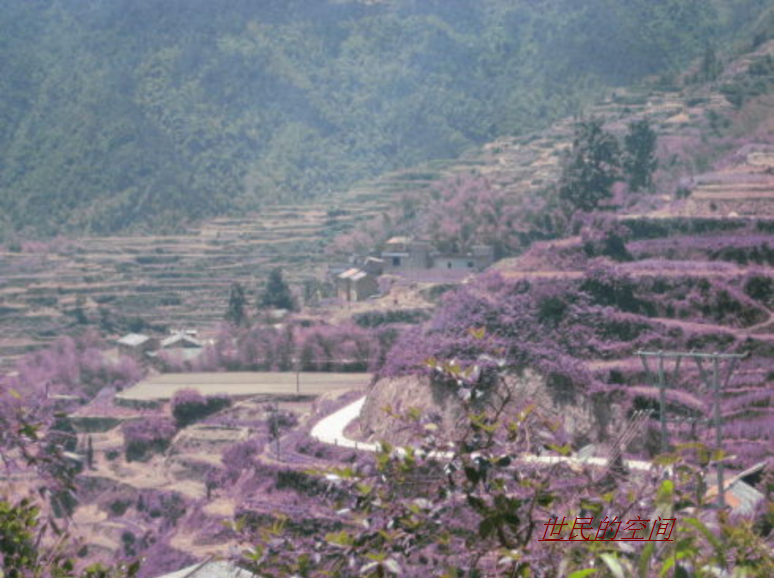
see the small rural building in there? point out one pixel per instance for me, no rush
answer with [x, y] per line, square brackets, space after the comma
[181, 341]
[477, 259]
[373, 266]
[336, 269]
[356, 285]
[136, 344]
[744, 491]
[402, 254]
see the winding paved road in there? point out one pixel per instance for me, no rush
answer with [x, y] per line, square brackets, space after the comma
[330, 430]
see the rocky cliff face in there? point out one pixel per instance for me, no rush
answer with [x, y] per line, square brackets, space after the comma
[585, 420]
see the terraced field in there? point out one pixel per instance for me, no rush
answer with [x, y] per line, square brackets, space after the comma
[179, 281]
[176, 281]
[183, 280]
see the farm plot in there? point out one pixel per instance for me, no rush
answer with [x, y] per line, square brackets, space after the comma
[242, 384]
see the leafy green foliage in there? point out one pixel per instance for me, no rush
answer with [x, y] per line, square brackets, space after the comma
[592, 168]
[32, 543]
[22, 554]
[640, 155]
[276, 294]
[237, 303]
[189, 406]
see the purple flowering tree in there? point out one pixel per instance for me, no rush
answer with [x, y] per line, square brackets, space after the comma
[147, 436]
[189, 406]
[489, 504]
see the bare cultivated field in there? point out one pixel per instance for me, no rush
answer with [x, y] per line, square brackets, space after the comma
[242, 384]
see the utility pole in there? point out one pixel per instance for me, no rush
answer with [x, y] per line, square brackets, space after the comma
[712, 381]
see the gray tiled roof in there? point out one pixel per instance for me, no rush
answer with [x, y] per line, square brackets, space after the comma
[747, 496]
[133, 339]
[180, 337]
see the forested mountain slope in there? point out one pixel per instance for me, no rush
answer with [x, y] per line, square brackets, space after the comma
[148, 114]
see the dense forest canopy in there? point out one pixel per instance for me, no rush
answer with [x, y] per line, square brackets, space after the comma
[145, 114]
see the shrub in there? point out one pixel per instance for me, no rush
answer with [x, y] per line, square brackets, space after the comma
[128, 540]
[119, 507]
[760, 288]
[607, 287]
[376, 318]
[522, 322]
[74, 366]
[238, 457]
[189, 406]
[336, 348]
[166, 506]
[603, 236]
[146, 437]
[300, 482]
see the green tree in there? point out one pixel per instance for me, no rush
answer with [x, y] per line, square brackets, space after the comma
[276, 294]
[79, 313]
[89, 453]
[640, 160]
[592, 168]
[711, 66]
[236, 313]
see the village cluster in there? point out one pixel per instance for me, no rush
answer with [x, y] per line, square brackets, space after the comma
[415, 259]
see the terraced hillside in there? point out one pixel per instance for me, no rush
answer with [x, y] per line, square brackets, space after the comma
[173, 281]
[182, 499]
[50, 289]
[691, 268]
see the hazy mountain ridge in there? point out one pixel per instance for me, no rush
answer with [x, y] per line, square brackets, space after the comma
[148, 115]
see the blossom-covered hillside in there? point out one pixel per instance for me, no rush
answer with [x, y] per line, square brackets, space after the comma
[685, 264]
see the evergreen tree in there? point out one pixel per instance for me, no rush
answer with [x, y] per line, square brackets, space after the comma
[276, 294]
[236, 305]
[711, 66]
[640, 155]
[89, 453]
[593, 167]
[79, 312]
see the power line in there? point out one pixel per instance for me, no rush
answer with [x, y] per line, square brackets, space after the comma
[712, 380]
